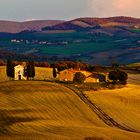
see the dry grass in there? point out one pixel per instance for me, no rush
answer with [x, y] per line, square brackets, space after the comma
[134, 79]
[123, 105]
[44, 73]
[110, 24]
[42, 110]
[3, 76]
[134, 65]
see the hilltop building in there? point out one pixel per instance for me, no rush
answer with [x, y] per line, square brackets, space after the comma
[68, 75]
[19, 72]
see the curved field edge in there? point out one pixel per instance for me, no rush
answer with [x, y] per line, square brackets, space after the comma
[36, 109]
[100, 113]
[121, 104]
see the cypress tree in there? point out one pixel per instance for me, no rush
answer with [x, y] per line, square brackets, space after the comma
[30, 70]
[10, 68]
[54, 72]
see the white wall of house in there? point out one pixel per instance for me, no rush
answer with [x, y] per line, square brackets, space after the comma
[19, 73]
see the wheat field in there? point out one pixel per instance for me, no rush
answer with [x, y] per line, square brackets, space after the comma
[123, 105]
[43, 110]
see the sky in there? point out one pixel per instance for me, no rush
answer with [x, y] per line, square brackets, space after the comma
[22, 10]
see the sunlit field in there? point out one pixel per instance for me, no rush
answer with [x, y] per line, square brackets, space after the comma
[123, 105]
[47, 110]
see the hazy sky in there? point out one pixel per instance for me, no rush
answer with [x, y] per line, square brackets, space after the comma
[66, 9]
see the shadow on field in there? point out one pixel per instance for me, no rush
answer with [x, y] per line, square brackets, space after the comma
[8, 118]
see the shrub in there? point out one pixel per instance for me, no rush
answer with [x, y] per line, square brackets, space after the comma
[113, 75]
[79, 78]
[118, 76]
[122, 77]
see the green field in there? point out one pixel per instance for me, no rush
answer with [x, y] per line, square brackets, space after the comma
[136, 30]
[72, 49]
[96, 48]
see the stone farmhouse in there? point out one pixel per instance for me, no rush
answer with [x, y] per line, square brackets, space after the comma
[68, 75]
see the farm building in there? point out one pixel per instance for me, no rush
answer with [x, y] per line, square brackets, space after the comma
[95, 78]
[92, 79]
[68, 75]
[19, 72]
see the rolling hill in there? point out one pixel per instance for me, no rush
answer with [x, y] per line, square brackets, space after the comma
[91, 40]
[16, 27]
[96, 23]
[45, 110]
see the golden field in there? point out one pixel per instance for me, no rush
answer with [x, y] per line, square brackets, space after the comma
[123, 105]
[44, 110]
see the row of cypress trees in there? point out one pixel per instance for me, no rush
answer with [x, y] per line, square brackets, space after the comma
[29, 70]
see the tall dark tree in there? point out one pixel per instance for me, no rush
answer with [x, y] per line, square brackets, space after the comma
[10, 69]
[54, 72]
[30, 70]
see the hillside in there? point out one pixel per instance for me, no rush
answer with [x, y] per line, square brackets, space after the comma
[121, 104]
[15, 27]
[39, 109]
[92, 40]
[96, 23]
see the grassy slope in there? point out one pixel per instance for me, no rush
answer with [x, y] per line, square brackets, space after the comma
[3, 76]
[133, 65]
[48, 110]
[44, 73]
[121, 104]
[41, 108]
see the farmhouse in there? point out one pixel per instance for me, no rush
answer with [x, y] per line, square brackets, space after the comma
[68, 75]
[96, 78]
[19, 72]
[92, 79]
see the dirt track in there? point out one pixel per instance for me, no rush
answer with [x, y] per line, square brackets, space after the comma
[101, 114]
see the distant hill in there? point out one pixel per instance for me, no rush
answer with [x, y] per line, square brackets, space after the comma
[16, 27]
[91, 40]
[90, 24]
[79, 24]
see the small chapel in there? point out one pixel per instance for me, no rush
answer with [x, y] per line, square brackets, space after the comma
[20, 72]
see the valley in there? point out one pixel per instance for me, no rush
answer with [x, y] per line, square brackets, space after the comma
[94, 41]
